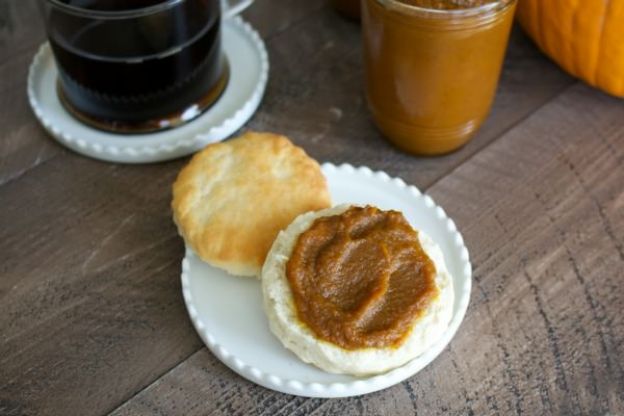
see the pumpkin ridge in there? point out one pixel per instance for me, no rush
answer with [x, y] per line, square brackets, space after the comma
[584, 67]
[600, 39]
[584, 37]
[573, 54]
[540, 23]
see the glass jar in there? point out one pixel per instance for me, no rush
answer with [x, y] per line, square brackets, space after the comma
[431, 74]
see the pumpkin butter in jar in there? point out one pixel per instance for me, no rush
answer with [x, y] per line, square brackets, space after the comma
[432, 67]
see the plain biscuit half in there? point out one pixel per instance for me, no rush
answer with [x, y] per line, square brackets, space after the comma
[234, 197]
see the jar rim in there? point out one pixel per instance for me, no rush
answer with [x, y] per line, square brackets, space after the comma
[406, 8]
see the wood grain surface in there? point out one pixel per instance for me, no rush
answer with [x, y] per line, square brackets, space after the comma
[93, 321]
[542, 210]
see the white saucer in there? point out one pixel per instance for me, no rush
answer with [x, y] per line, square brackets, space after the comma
[249, 69]
[227, 310]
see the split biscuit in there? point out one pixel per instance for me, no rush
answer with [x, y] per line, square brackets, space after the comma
[234, 197]
[279, 305]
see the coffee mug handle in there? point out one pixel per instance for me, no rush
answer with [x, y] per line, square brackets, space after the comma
[233, 7]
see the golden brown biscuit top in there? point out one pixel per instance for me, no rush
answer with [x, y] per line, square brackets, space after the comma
[233, 197]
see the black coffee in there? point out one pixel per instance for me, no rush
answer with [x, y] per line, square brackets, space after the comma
[141, 71]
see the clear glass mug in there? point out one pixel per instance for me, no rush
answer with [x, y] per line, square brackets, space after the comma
[138, 66]
[348, 8]
[431, 74]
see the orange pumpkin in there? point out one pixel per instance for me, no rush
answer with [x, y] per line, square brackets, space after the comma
[585, 37]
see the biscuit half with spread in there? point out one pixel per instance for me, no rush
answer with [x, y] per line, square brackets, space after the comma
[232, 199]
[356, 290]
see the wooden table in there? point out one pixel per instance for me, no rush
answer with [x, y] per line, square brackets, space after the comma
[92, 320]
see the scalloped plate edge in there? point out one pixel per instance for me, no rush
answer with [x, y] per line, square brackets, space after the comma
[363, 385]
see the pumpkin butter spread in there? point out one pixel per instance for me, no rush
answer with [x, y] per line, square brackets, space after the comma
[360, 279]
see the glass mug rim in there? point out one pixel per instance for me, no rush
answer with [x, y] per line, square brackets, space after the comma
[114, 14]
[409, 9]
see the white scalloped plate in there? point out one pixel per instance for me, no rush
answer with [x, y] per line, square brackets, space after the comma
[249, 69]
[227, 311]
